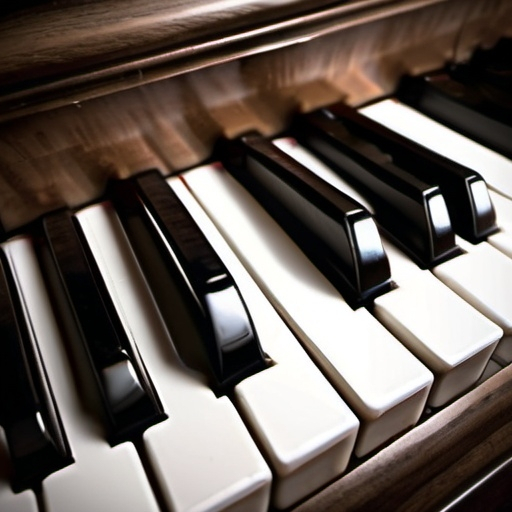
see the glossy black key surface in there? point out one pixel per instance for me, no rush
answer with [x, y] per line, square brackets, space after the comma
[336, 232]
[487, 119]
[207, 289]
[28, 413]
[130, 400]
[471, 211]
[413, 212]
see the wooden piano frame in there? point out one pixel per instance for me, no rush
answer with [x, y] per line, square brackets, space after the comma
[92, 89]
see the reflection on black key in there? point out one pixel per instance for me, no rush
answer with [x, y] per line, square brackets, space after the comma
[130, 401]
[413, 212]
[28, 413]
[463, 107]
[467, 198]
[335, 231]
[211, 296]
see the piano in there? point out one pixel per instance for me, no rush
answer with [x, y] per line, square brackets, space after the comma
[94, 93]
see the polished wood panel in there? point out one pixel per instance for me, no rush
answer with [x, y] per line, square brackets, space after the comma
[58, 148]
[75, 50]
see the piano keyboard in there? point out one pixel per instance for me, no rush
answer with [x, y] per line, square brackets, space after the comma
[244, 369]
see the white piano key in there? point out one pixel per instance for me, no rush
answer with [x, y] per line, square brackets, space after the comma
[502, 241]
[9, 501]
[203, 456]
[384, 384]
[304, 427]
[483, 277]
[494, 168]
[102, 478]
[451, 337]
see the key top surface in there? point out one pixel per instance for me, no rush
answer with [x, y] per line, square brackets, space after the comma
[452, 338]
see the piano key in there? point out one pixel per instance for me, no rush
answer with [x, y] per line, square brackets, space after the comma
[450, 337]
[470, 208]
[462, 107]
[491, 66]
[413, 212]
[9, 500]
[382, 382]
[493, 167]
[226, 327]
[336, 232]
[292, 396]
[483, 277]
[202, 457]
[422, 312]
[102, 477]
[130, 402]
[29, 416]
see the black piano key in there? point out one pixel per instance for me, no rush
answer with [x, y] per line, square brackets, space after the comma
[336, 232]
[488, 66]
[413, 212]
[464, 108]
[127, 392]
[35, 436]
[206, 288]
[471, 211]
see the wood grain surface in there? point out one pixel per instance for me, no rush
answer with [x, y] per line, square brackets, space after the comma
[76, 50]
[60, 149]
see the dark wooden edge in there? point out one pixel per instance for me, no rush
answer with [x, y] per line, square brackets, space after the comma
[44, 65]
[426, 468]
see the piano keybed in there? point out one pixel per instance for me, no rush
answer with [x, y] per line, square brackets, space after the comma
[244, 368]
